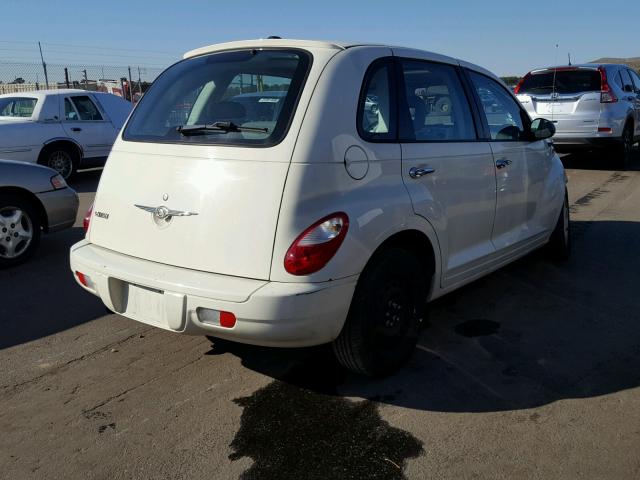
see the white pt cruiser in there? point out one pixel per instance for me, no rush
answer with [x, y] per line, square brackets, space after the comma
[294, 193]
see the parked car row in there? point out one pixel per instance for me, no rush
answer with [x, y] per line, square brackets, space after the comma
[357, 183]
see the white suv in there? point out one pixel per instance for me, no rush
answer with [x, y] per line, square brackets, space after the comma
[329, 212]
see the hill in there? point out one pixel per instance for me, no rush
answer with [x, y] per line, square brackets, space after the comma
[633, 62]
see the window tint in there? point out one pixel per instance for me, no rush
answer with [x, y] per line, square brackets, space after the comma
[436, 103]
[17, 107]
[375, 113]
[502, 112]
[85, 107]
[626, 78]
[250, 88]
[561, 81]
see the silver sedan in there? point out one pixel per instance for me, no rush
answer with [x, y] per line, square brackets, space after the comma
[33, 199]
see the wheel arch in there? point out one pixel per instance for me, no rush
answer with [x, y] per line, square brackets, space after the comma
[34, 200]
[418, 243]
[58, 141]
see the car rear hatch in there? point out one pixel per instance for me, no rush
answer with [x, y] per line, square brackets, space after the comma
[197, 180]
[568, 96]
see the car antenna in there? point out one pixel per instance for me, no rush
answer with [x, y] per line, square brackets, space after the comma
[569, 55]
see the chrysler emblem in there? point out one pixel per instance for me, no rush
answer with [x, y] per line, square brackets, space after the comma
[164, 213]
[165, 197]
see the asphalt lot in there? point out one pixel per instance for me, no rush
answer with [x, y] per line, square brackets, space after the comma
[531, 372]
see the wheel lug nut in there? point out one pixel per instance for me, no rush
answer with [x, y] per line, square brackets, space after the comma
[13, 225]
[15, 234]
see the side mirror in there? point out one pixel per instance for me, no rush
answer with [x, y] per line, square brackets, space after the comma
[542, 128]
[628, 89]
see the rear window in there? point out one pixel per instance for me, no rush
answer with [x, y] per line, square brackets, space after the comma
[566, 81]
[243, 97]
[17, 106]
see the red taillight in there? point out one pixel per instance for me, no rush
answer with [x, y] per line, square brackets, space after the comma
[314, 247]
[519, 86]
[606, 94]
[87, 219]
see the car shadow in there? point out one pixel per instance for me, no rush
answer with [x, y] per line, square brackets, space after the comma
[599, 160]
[528, 335]
[86, 181]
[40, 297]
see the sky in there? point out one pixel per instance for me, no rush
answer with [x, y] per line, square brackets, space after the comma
[506, 37]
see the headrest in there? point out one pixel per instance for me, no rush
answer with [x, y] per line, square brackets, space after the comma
[226, 111]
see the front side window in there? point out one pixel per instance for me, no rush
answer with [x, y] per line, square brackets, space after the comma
[243, 97]
[17, 107]
[502, 112]
[436, 104]
[376, 119]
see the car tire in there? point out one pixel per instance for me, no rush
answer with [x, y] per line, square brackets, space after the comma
[20, 227]
[559, 246]
[626, 145]
[63, 159]
[387, 310]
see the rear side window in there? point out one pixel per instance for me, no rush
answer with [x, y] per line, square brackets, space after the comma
[81, 108]
[251, 93]
[503, 114]
[17, 107]
[561, 81]
[435, 103]
[376, 112]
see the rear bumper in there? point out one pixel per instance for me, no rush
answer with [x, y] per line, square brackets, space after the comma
[61, 207]
[268, 313]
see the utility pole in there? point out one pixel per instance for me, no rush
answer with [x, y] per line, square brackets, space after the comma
[569, 54]
[66, 76]
[139, 82]
[44, 66]
[86, 80]
[130, 85]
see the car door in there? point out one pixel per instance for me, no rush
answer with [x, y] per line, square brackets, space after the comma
[521, 165]
[635, 96]
[447, 171]
[88, 125]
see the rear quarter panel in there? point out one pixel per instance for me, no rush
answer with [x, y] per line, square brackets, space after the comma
[318, 183]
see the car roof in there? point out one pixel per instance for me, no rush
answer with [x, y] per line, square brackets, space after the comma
[44, 93]
[579, 66]
[319, 44]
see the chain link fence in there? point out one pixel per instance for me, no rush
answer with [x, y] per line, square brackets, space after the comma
[125, 81]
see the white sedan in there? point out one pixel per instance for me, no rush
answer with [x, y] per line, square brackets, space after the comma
[62, 129]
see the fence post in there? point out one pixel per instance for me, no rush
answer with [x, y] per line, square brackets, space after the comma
[66, 77]
[44, 66]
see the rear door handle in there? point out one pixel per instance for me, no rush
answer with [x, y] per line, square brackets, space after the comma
[76, 129]
[416, 172]
[501, 163]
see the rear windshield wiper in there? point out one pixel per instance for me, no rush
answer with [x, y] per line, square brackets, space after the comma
[222, 127]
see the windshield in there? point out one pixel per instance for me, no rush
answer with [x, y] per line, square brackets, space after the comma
[566, 81]
[253, 90]
[17, 107]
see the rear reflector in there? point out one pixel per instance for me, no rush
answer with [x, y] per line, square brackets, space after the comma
[604, 130]
[216, 317]
[85, 280]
